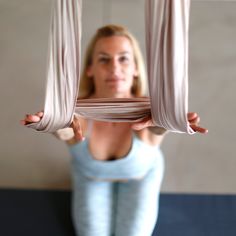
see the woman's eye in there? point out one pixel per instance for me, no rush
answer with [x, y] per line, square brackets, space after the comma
[124, 59]
[103, 60]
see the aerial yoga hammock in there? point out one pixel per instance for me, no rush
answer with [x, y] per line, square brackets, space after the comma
[167, 24]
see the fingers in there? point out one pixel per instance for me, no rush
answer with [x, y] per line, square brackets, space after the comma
[191, 115]
[39, 114]
[194, 120]
[29, 118]
[199, 129]
[75, 125]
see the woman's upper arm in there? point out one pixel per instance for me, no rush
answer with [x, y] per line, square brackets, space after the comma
[150, 137]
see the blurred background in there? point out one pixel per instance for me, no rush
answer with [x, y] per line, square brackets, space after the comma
[194, 164]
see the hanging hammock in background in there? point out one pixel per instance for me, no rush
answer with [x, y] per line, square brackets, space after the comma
[167, 25]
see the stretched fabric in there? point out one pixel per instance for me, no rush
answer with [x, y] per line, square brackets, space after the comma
[167, 24]
[167, 59]
[63, 66]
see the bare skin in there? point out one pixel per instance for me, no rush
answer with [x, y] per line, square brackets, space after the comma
[113, 70]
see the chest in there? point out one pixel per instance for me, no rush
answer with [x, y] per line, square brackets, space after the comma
[108, 141]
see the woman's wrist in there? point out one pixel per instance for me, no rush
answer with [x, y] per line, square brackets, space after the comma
[64, 134]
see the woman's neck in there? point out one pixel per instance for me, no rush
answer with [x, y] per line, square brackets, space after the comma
[111, 95]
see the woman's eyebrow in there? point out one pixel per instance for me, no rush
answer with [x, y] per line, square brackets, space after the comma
[125, 52]
[106, 54]
[103, 54]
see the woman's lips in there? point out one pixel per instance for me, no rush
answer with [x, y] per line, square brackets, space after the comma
[114, 80]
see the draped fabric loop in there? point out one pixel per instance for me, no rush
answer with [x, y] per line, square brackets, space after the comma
[167, 25]
[63, 66]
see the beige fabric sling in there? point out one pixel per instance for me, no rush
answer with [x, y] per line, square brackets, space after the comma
[167, 24]
[63, 66]
[167, 60]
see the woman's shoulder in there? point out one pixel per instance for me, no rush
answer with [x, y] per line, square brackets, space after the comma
[149, 137]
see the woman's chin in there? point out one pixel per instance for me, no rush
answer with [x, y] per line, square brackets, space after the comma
[114, 92]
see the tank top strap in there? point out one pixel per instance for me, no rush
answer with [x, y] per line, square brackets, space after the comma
[89, 128]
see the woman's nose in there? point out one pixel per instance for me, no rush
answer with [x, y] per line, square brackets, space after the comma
[114, 65]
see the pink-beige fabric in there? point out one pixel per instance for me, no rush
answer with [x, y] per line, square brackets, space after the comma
[167, 24]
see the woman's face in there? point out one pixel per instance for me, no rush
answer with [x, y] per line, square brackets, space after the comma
[113, 67]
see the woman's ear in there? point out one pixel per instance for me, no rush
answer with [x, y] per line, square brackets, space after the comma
[89, 72]
[136, 73]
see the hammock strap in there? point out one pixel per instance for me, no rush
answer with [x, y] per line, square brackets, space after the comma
[167, 25]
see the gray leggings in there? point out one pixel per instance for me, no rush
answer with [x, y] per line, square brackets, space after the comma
[103, 208]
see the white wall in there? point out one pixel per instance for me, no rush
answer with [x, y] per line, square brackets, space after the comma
[193, 163]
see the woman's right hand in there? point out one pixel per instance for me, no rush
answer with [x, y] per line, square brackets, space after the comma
[77, 129]
[65, 134]
[72, 134]
[29, 118]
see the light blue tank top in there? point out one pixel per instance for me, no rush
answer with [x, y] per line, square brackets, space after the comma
[140, 159]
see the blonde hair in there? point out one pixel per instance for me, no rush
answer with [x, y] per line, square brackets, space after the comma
[87, 86]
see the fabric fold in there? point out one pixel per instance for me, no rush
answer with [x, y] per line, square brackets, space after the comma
[63, 66]
[167, 24]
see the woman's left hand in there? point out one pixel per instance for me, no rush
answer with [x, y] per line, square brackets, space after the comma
[193, 120]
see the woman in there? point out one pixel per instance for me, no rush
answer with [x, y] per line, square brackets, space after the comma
[117, 168]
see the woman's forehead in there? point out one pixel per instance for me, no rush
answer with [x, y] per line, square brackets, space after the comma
[113, 44]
